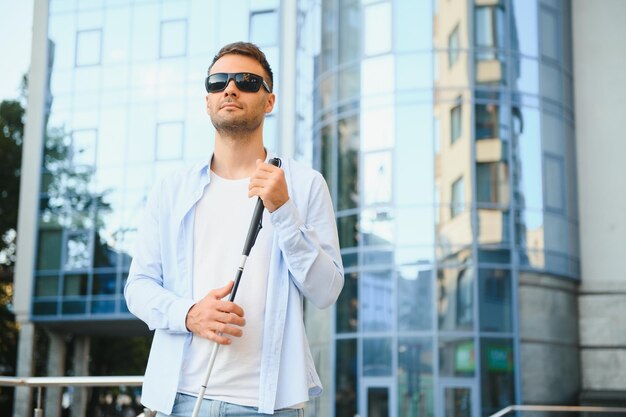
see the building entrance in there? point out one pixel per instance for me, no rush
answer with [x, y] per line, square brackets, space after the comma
[457, 397]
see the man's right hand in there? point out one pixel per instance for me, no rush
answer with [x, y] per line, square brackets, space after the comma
[211, 316]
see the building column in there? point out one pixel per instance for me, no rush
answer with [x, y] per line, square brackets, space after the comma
[25, 368]
[81, 368]
[56, 367]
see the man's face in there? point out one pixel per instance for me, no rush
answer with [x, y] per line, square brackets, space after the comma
[233, 111]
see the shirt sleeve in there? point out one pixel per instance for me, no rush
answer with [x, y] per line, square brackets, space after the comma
[311, 247]
[145, 294]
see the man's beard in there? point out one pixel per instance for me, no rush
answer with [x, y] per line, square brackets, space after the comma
[238, 127]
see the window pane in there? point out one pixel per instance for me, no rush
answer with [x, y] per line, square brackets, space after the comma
[415, 377]
[349, 31]
[458, 197]
[377, 171]
[88, 47]
[415, 300]
[377, 357]
[376, 301]
[497, 375]
[104, 284]
[377, 31]
[555, 183]
[457, 358]
[456, 298]
[455, 123]
[348, 230]
[173, 38]
[347, 305]
[346, 394]
[264, 27]
[47, 286]
[453, 47]
[78, 254]
[495, 300]
[169, 141]
[348, 163]
[84, 145]
[49, 249]
[75, 285]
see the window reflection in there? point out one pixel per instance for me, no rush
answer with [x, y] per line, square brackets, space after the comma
[77, 250]
[349, 31]
[457, 357]
[453, 46]
[455, 298]
[88, 47]
[415, 377]
[377, 357]
[497, 374]
[488, 30]
[494, 287]
[415, 300]
[457, 205]
[377, 174]
[347, 304]
[376, 301]
[346, 389]
[173, 38]
[348, 229]
[348, 163]
[377, 30]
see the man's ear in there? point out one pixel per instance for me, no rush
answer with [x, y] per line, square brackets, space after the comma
[269, 105]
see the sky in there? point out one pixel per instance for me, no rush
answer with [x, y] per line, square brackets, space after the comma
[16, 23]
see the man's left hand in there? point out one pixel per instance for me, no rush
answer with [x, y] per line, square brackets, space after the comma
[268, 182]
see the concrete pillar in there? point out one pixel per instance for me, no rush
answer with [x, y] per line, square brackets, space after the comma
[25, 367]
[56, 367]
[550, 366]
[600, 84]
[81, 368]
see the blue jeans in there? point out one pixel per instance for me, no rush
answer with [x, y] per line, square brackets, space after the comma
[183, 407]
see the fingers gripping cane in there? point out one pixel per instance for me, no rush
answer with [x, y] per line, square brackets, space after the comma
[253, 231]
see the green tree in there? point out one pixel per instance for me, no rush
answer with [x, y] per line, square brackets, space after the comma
[11, 137]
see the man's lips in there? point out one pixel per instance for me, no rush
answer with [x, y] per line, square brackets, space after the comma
[230, 105]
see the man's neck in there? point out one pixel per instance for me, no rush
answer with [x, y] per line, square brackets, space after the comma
[236, 158]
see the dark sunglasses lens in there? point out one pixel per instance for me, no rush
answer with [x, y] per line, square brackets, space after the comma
[248, 82]
[216, 82]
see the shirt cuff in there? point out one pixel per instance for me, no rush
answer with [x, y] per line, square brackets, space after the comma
[179, 314]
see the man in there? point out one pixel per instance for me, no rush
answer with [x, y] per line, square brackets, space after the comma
[190, 243]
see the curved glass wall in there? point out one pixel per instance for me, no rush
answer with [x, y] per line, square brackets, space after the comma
[126, 106]
[445, 132]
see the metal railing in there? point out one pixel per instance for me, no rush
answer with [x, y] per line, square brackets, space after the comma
[41, 382]
[558, 408]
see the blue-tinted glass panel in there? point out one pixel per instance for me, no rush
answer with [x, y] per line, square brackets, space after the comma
[264, 28]
[46, 286]
[349, 31]
[377, 359]
[75, 284]
[346, 389]
[44, 308]
[104, 284]
[414, 18]
[415, 377]
[524, 32]
[49, 249]
[102, 306]
[377, 32]
[497, 375]
[456, 298]
[496, 312]
[88, 47]
[73, 307]
[173, 38]
[78, 255]
[348, 230]
[348, 163]
[457, 357]
[347, 304]
[415, 298]
[376, 301]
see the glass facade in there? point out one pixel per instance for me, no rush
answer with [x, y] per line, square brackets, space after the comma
[127, 106]
[446, 135]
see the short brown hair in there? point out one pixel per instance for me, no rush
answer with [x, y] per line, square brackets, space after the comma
[246, 49]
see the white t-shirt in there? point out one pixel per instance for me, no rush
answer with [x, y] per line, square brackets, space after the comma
[221, 222]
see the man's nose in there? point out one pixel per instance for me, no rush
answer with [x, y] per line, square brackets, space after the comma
[231, 88]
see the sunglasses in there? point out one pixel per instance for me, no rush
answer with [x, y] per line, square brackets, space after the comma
[245, 81]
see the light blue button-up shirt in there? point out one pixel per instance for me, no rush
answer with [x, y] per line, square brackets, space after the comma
[304, 262]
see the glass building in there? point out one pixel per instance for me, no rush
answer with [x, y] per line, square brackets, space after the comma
[444, 128]
[445, 131]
